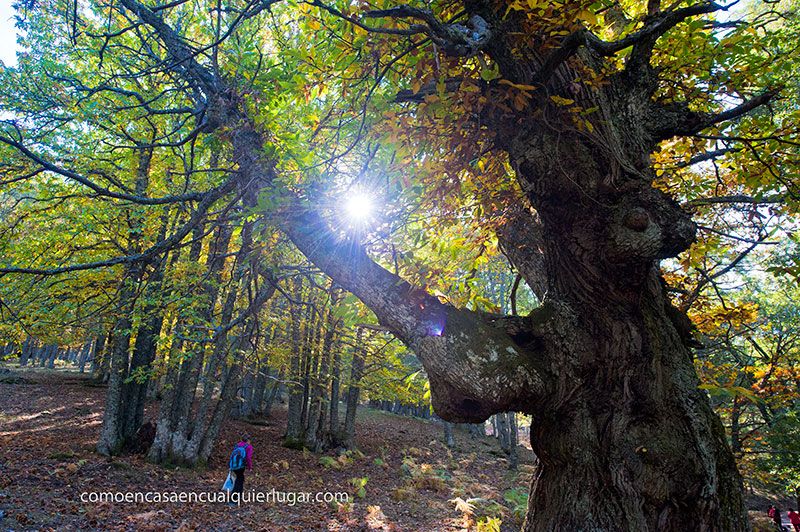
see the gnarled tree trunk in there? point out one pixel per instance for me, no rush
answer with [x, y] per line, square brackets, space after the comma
[625, 439]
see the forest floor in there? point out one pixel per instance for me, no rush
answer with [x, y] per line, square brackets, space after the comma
[49, 421]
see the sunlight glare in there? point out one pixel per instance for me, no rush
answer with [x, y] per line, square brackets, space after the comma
[359, 207]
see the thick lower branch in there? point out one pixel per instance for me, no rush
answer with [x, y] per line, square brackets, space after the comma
[476, 367]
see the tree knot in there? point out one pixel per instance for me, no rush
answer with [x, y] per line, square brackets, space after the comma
[636, 219]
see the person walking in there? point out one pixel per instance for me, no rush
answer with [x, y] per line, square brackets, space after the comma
[776, 517]
[241, 459]
[794, 519]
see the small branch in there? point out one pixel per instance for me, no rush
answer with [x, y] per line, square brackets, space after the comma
[709, 278]
[372, 327]
[743, 108]
[739, 198]
[676, 119]
[707, 156]
[412, 30]
[513, 296]
[450, 85]
[455, 39]
[655, 27]
[185, 63]
[102, 191]
[156, 249]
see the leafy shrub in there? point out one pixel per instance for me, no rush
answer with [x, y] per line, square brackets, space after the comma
[488, 524]
[517, 500]
[329, 462]
[360, 483]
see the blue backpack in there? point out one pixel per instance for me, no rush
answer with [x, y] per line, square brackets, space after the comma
[238, 457]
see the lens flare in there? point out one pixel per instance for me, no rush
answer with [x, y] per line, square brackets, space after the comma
[359, 208]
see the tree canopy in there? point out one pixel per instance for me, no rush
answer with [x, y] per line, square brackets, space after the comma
[563, 198]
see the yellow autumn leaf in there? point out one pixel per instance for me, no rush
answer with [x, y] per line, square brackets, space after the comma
[518, 86]
[562, 101]
[588, 16]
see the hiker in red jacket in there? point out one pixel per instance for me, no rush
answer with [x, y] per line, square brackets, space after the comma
[241, 458]
[794, 518]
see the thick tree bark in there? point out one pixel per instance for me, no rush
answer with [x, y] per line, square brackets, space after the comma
[600, 365]
[464, 353]
[120, 415]
[625, 417]
[625, 439]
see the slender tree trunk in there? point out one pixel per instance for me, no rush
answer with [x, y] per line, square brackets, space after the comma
[736, 443]
[448, 434]
[85, 351]
[477, 430]
[215, 361]
[202, 442]
[27, 348]
[333, 415]
[294, 422]
[101, 359]
[51, 360]
[192, 366]
[245, 398]
[502, 431]
[111, 434]
[319, 407]
[273, 392]
[513, 441]
[168, 413]
[353, 391]
[259, 389]
[181, 436]
[134, 394]
[309, 358]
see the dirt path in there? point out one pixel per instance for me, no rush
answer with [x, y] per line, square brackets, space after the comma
[48, 427]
